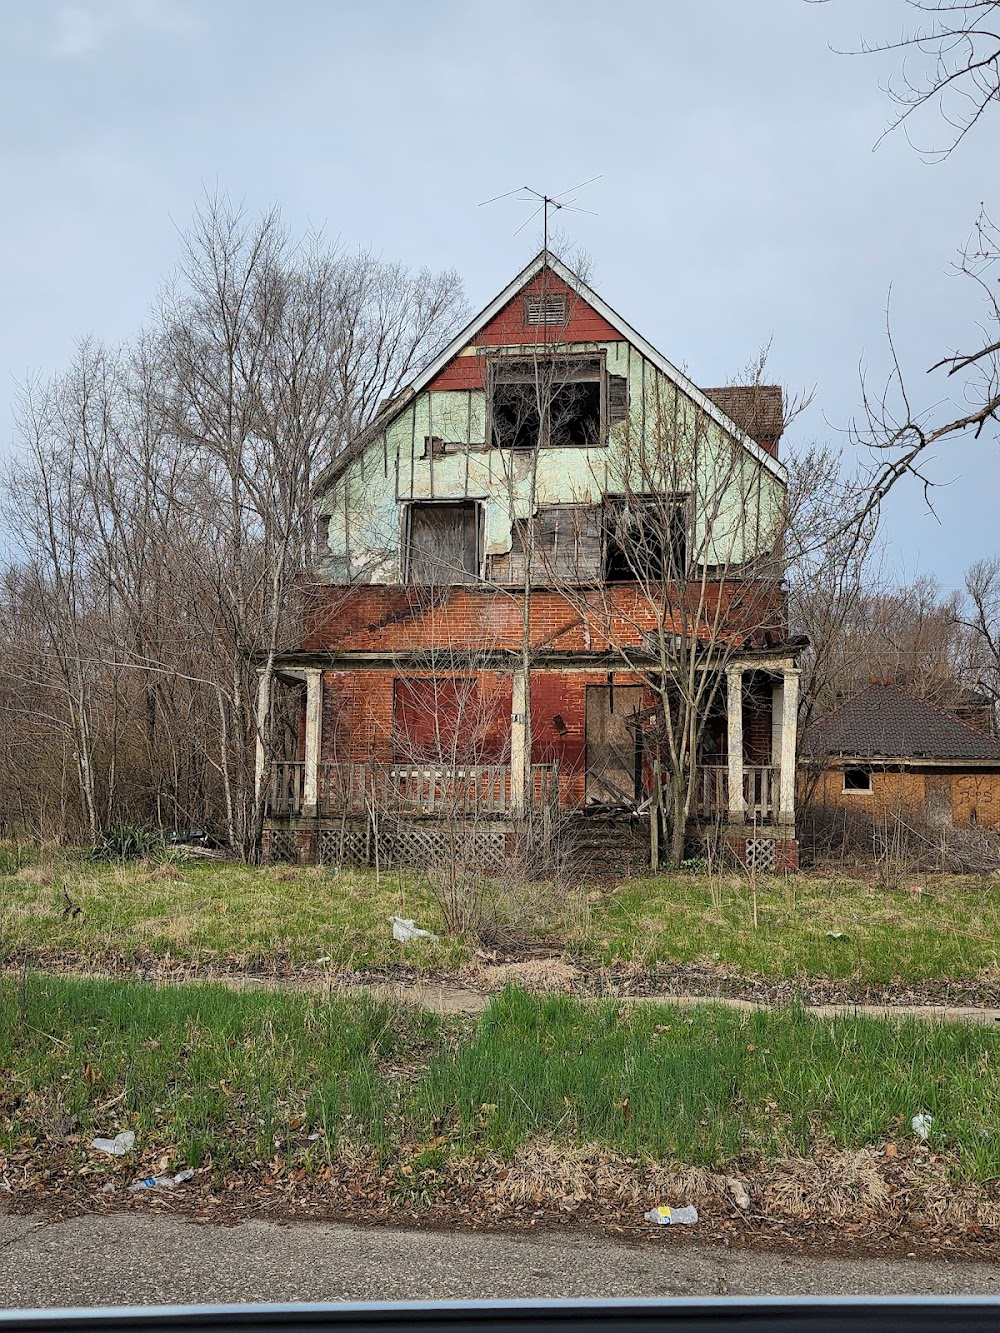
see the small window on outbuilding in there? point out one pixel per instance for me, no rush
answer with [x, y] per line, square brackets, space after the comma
[442, 543]
[857, 779]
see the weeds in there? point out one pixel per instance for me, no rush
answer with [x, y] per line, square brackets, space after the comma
[209, 1077]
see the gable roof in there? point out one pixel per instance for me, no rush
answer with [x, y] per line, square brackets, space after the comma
[885, 722]
[546, 259]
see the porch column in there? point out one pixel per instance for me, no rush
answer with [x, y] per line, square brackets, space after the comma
[263, 707]
[789, 721]
[314, 736]
[777, 704]
[734, 743]
[519, 774]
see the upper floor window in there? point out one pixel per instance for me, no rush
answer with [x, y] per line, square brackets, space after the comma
[645, 537]
[547, 402]
[441, 542]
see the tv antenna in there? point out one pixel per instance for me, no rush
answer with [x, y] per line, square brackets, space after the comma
[545, 203]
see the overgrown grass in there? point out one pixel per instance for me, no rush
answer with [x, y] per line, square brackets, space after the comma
[807, 926]
[212, 1077]
[204, 911]
[709, 1086]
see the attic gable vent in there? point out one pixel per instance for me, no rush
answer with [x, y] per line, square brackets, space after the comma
[548, 309]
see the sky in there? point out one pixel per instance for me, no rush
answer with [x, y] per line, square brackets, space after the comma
[740, 199]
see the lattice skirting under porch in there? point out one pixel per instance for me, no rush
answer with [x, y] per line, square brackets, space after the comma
[406, 843]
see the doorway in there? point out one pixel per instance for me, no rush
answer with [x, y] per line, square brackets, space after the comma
[614, 753]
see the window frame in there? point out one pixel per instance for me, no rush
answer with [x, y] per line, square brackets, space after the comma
[857, 791]
[529, 357]
[406, 536]
[682, 507]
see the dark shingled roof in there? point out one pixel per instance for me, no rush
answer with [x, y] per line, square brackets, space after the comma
[758, 409]
[885, 722]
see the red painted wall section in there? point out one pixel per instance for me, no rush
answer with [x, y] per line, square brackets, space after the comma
[508, 329]
[380, 618]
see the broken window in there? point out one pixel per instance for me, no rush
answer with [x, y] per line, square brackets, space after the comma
[564, 542]
[442, 543]
[645, 537]
[556, 401]
[857, 779]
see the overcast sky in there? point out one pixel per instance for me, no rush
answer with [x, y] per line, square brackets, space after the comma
[739, 198]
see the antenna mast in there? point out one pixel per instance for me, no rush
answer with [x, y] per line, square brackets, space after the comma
[547, 201]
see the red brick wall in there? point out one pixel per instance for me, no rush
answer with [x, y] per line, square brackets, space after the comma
[376, 617]
[358, 714]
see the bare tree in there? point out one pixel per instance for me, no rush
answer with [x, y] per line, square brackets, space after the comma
[951, 63]
[164, 506]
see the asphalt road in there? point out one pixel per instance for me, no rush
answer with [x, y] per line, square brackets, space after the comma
[136, 1259]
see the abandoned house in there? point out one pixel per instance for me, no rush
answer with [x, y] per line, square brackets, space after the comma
[885, 755]
[515, 554]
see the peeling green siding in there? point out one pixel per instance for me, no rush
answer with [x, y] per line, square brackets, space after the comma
[736, 502]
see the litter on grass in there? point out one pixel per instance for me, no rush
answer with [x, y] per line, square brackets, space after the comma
[667, 1217]
[118, 1146]
[161, 1182]
[921, 1125]
[404, 930]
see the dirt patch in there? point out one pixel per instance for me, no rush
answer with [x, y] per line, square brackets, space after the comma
[535, 974]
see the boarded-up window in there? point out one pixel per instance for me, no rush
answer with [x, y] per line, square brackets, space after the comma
[448, 720]
[645, 537]
[552, 401]
[564, 543]
[442, 543]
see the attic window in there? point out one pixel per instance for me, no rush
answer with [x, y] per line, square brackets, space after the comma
[548, 309]
[857, 779]
[548, 401]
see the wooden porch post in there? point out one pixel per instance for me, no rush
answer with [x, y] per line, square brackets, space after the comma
[789, 727]
[519, 771]
[734, 708]
[314, 738]
[263, 706]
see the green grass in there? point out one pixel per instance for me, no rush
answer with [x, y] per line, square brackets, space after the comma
[213, 1077]
[807, 926]
[203, 911]
[200, 1072]
[709, 1086]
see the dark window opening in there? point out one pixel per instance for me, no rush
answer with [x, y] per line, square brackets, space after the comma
[552, 402]
[549, 309]
[442, 543]
[645, 537]
[857, 779]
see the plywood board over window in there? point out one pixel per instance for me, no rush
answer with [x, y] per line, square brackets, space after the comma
[563, 543]
[442, 543]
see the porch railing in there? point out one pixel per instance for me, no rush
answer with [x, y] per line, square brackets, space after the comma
[761, 787]
[463, 791]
